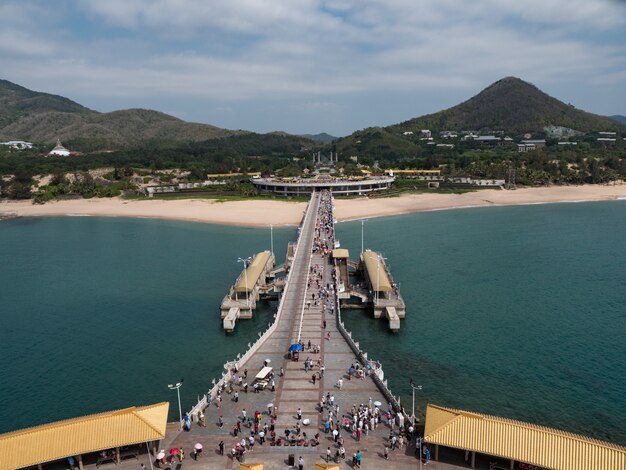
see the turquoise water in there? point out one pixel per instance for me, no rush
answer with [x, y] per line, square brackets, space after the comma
[103, 313]
[518, 311]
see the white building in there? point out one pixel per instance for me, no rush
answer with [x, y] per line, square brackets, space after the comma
[17, 144]
[59, 151]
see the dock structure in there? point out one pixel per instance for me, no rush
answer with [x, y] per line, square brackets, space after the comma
[308, 314]
[251, 284]
[384, 293]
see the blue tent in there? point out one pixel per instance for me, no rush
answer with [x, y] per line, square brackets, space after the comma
[296, 347]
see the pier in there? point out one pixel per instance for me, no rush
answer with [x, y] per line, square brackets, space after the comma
[250, 285]
[381, 292]
[309, 313]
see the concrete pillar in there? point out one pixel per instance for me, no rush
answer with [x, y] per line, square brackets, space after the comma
[117, 455]
[80, 461]
[512, 465]
[39, 466]
[436, 451]
[473, 459]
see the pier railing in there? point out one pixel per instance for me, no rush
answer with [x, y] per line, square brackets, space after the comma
[231, 367]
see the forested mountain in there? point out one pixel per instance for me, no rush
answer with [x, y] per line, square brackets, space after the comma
[43, 118]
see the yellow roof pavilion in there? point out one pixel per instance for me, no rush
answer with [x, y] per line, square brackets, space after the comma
[376, 271]
[341, 253]
[93, 433]
[252, 272]
[519, 441]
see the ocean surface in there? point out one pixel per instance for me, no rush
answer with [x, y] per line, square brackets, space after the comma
[512, 311]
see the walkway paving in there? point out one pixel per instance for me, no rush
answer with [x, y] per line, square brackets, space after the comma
[302, 319]
[295, 389]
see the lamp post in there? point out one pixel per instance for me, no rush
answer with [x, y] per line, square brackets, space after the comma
[180, 410]
[362, 223]
[272, 238]
[419, 451]
[245, 275]
[414, 387]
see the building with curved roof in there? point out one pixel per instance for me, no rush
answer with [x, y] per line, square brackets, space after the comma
[59, 151]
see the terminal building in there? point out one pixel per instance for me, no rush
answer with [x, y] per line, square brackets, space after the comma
[339, 186]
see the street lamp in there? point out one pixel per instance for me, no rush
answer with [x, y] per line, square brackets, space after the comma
[414, 387]
[180, 410]
[245, 262]
[362, 222]
[272, 238]
[419, 450]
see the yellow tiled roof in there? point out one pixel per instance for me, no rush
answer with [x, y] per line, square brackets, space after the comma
[253, 272]
[341, 253]
[376, 271]
[519, 441]
[93, 433]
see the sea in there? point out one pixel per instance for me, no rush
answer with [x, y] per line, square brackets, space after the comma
[512, 311]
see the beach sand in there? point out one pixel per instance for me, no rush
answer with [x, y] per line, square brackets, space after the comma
[259, 213]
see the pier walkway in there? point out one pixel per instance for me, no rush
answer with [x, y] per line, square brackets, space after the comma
[307, 313]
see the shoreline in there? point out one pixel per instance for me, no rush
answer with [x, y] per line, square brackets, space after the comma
[258, 213]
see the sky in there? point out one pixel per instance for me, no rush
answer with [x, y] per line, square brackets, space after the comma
[309, 66]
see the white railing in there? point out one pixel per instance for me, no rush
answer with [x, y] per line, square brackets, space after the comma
[229, 366]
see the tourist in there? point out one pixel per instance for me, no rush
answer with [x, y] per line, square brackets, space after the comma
[236, 397]
[220, 423]
[221, 448]
[181, 454]
[386, 453]
[300, 463]
[358, 458]
[261, 437]
[273, 385]
[243, 414]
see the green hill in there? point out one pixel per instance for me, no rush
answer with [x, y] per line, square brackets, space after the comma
[509, 105]
[619, 118]
[513, 106]
[42, 118]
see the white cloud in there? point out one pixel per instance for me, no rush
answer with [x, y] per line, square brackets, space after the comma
[309, 52]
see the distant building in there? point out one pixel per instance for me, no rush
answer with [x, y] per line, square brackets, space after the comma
[17, 144]
[607, 133]
[407, 133]
[525, 147]
[426, 134]
[59, 151]
[568, 143]
[536, 142]
[606, 139]
[488, 140]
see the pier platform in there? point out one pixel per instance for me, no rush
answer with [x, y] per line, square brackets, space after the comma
[251, 284]
[308, 313]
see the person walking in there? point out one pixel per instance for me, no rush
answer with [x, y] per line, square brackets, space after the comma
[300, 463]
[261, 437]
[299, 414]
[220, 422]
[236, 397]
[314, 377]
[328, 454]
[221, 448]
[358, 458]
[386, 453]
[243, 413]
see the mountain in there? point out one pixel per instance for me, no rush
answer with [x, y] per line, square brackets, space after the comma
[322, 137]
[618, 118]
[42, 117]
[511, 105]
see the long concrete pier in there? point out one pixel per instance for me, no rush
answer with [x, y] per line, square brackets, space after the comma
[308, 313]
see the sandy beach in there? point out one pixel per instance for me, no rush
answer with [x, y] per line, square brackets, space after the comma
[257, 213]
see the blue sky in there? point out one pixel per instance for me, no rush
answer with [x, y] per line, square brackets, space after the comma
[308, 66]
